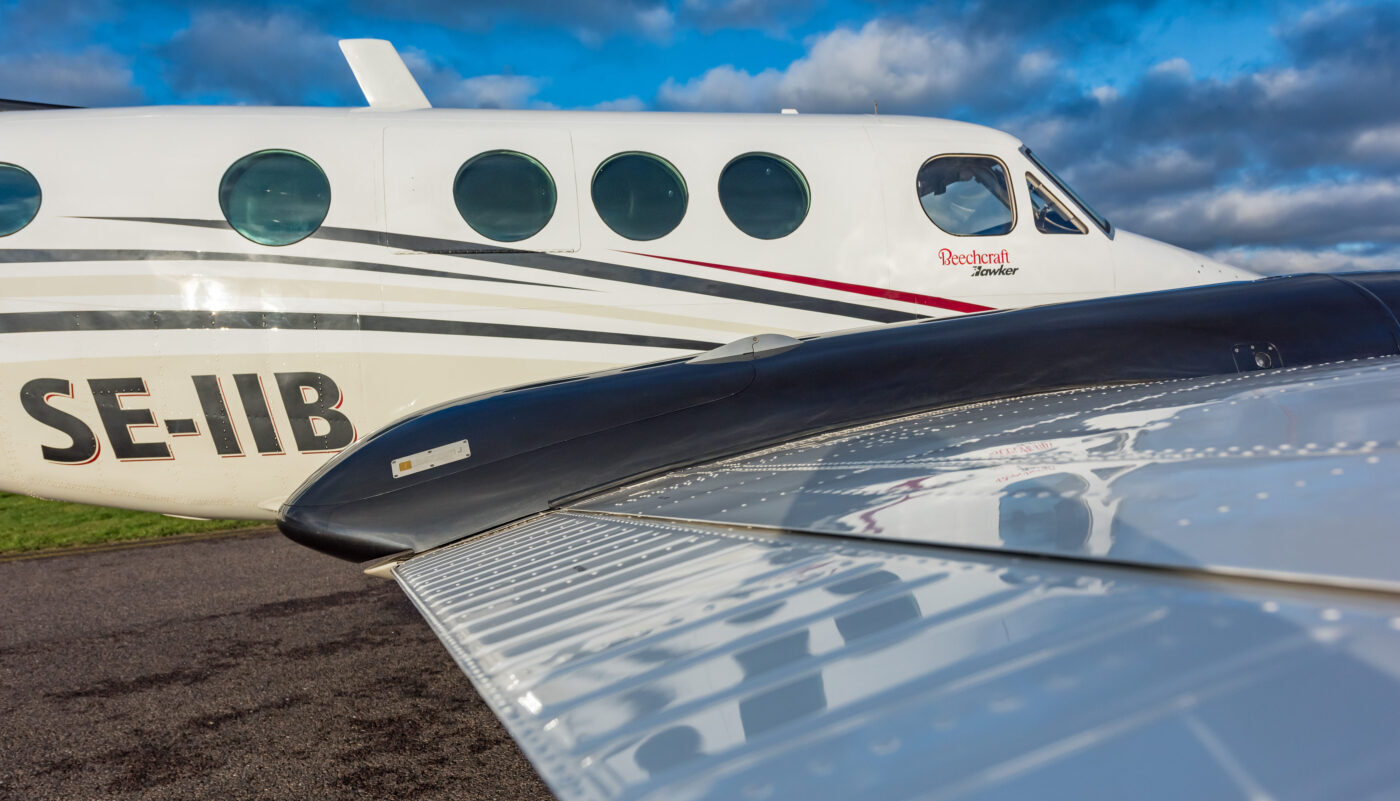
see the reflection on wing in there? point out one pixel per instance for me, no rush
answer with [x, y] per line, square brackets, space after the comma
[1180, 589]
[1233, 474]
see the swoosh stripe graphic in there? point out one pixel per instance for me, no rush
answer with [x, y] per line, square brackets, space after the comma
[193, 320]
[45, 256]
[570, 265]
[888, 294]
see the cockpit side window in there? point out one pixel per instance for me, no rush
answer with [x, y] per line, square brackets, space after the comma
[1051, 217]
[1099, 220]
[967, 195]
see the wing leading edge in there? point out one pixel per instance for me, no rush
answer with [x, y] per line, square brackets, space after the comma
[533, 446]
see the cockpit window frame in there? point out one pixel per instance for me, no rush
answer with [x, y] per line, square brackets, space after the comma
[1010, 194]
[1034, 185]
[1099, 220]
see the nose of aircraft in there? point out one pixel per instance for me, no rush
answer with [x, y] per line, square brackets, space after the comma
[1146, 265]
[1221, 272]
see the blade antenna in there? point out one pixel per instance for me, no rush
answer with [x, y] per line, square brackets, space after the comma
[382, 75]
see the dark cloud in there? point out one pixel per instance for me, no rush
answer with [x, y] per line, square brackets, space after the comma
[1361, 35]
[711, 15]
[53, 21]
[92, 77]
[1101, 19]
[1284, 260]
[276, 59]
[1316, 215]
[47, 54]
[1070, 24]
[591, 21]
[1277, 157]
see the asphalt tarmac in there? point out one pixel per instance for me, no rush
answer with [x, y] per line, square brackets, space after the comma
[241, 667]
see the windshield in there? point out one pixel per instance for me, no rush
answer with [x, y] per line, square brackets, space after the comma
[1099, 219]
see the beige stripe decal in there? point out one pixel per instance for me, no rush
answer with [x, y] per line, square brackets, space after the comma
[250, 288]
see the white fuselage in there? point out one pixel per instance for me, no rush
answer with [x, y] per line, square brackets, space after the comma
[212, 374]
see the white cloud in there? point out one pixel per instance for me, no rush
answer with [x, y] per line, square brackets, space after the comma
[905, 68]
[492, 91]
[1104, 94]
[1174, 68]
[629, 103]
[724, 88]
[446, 87]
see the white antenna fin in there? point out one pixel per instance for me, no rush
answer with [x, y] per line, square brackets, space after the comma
[382, 75]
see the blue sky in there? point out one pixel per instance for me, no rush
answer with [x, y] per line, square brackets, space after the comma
[1267, 134]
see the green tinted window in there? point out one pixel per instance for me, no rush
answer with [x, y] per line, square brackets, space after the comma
[765, 196]
[275, 197]
[504, 196]
[19, 198]
[640, 196]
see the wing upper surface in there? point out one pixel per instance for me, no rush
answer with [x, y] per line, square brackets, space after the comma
[1280, 473]
[870, 613]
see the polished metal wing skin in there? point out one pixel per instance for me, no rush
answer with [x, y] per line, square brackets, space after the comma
[1087, 594]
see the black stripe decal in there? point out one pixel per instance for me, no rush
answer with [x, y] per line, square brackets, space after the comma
[188, 320]
[45, 256]
[570, 265]
[254, 398]
[211, 402]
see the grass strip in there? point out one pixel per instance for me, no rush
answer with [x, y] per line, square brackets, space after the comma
[29, 524]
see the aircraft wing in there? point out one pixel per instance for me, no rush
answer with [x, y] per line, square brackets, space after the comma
[1167, 580]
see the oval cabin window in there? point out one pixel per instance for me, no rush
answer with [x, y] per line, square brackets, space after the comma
[639, 196]
[765, 196]
[966, 195]
[504, 195]
[19, 198]
[275, 197]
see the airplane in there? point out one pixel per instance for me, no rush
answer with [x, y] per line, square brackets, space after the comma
[199, 306]
[1120, 543]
